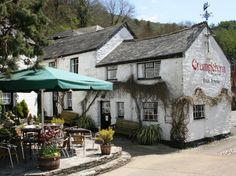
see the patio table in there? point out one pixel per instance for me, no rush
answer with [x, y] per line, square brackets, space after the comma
[53, 125]
[74, 130]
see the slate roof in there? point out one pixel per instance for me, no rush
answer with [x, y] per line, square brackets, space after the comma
[165, 46]
[69, 45]
[74, 32]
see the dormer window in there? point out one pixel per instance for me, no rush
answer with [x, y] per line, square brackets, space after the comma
[111, 72]
[149, 70]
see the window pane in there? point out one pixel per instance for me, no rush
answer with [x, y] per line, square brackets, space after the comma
[156, 69]
[149, 73]
[6, 98]
[120, 108]
[149, 65]
[69, 100]
[111, 72]
[198, 111]
[74, 65]
[150, 111]
[141, 71]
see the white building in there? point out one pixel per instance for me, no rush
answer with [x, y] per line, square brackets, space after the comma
[189, 63]
[8, 100]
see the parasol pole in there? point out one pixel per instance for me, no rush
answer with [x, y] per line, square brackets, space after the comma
[42, 105]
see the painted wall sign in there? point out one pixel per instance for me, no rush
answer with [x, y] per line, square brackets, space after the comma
[208, 67]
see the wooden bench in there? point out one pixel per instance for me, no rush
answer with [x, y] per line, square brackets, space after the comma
[69, 116]
[126, 127]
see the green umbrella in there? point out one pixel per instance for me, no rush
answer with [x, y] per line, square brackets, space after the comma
[49, 79]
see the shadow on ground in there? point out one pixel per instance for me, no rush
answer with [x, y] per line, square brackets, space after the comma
[139, 150]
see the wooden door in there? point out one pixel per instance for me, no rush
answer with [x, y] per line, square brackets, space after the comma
[105, 114]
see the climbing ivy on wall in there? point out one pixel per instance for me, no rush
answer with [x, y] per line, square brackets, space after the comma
[142, 92]
[159, 91]
[180, 111]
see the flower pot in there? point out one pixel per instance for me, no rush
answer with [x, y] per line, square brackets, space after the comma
[105, 149]
[49, 163]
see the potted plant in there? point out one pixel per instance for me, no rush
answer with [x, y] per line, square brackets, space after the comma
[104, 138]
[49, 154]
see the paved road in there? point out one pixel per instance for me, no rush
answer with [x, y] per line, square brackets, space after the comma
[214, 159]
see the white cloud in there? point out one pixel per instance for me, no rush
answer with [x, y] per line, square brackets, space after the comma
[148, 18]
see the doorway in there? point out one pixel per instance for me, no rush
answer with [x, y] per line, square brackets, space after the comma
[105, 114]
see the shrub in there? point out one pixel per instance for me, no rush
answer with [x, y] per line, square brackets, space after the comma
[21, 109]
[5, 132]
[25, 108]
[147, 135]
[85, 122]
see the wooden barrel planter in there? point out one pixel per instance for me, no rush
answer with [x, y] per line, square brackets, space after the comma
[49, 163]
[105, 149]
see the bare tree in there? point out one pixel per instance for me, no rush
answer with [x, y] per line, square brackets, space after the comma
[119, 10]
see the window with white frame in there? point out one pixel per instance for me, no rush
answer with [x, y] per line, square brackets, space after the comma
[111, 72]
[150, 111]
[199, 111]
[69, 100]
[52, 64]
[6, 98]
[120, 109]
[149, 70]
[74, 65]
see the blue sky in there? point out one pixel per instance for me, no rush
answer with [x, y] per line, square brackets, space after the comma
[168, 11]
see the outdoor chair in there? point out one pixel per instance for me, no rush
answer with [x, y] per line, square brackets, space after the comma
[30, 141]
[62, 143]
[63, 147]
[91, 137]
[8, 150]
[77, 139]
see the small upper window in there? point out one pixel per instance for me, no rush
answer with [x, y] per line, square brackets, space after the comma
[74, 65]
[149, 70]
[111, 72]
[52, 64]
[198, 111]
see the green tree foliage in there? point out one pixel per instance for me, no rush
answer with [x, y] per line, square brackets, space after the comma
[25, 108]
[83, 12]
[22, 24]
[21, 109]
[225, 34]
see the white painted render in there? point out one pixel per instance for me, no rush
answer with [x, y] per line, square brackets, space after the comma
[218, 117]
[177, 73]
[113, 43]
